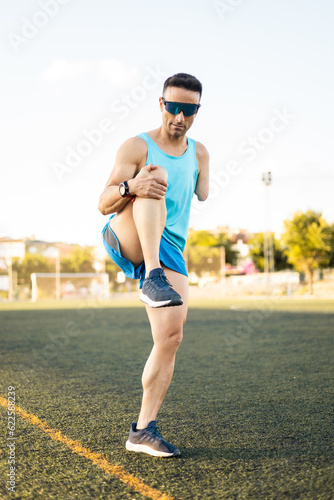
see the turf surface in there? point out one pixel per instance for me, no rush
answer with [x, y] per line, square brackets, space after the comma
[250, 404]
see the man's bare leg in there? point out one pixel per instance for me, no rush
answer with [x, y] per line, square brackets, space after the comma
[167, 329]
[139, 227]
[150, 219]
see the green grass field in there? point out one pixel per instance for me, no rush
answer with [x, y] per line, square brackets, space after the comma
[250, 405]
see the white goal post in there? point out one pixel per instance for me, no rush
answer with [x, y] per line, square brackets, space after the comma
[69, 286]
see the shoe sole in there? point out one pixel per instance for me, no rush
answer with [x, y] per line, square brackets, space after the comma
[162, 303]
[142, 448]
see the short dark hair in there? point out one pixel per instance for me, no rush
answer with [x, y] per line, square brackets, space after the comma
[183, 81]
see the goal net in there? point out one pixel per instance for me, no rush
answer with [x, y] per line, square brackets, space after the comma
[70, 286]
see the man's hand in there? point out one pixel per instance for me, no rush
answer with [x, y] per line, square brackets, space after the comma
[148, 183]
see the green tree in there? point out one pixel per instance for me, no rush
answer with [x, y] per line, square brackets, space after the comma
[308, 241]
[32, 263]
[112, 269]
[204, 254]
[231, 256]
[80, 260]
[201, 238]
[256, 251]
[330, 231]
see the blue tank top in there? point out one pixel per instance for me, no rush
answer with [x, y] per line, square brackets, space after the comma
[182, 177]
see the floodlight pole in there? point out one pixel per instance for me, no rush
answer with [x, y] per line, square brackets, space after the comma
[223, 269]
[33, 287]
[10, 278]
[58, 275]
[267, 237]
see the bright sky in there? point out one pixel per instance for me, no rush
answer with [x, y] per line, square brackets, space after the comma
[69, 67]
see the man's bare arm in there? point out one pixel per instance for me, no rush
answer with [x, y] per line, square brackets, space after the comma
[130, 166]
[202, 186]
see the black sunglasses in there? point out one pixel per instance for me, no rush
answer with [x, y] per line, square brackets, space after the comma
[176, 107]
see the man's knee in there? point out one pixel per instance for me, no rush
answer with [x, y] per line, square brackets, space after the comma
[170, 338]
[174, 340]
[176, 337]
[161, 172]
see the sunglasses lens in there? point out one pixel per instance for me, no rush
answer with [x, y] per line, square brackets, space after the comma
[176, 107]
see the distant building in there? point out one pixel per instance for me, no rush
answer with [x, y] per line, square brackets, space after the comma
[49, 249]
[233, 234]
[10, 247]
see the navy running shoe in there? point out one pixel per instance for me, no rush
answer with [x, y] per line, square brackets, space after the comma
[158, 292]
[150, 441]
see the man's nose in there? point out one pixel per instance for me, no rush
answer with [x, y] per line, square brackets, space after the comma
[180, 117]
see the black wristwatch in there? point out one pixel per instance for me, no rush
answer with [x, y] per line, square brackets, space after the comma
[124, 190]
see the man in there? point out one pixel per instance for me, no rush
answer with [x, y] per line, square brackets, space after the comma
[149, 193]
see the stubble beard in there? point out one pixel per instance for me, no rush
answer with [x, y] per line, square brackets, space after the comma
[177, 132]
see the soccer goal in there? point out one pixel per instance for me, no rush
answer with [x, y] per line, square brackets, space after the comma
[70, 286]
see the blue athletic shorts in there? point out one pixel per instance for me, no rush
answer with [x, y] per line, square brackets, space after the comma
[170, 255]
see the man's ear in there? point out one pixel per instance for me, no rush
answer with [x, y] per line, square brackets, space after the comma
[161, 104]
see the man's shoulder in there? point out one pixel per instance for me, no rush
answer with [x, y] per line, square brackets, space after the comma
[134, 147]
[201, 151]
[135, 142]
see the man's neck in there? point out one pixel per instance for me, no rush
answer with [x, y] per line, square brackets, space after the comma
[167, 142]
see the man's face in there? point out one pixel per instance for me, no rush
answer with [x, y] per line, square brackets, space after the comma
[178, 125]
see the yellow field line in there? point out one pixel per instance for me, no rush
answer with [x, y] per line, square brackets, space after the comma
[96, 458]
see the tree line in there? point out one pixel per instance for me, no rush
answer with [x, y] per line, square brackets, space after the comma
[306, 244]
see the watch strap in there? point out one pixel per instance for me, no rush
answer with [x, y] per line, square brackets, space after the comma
[127, 190]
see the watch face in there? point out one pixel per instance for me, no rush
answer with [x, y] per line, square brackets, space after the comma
[122, 189]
